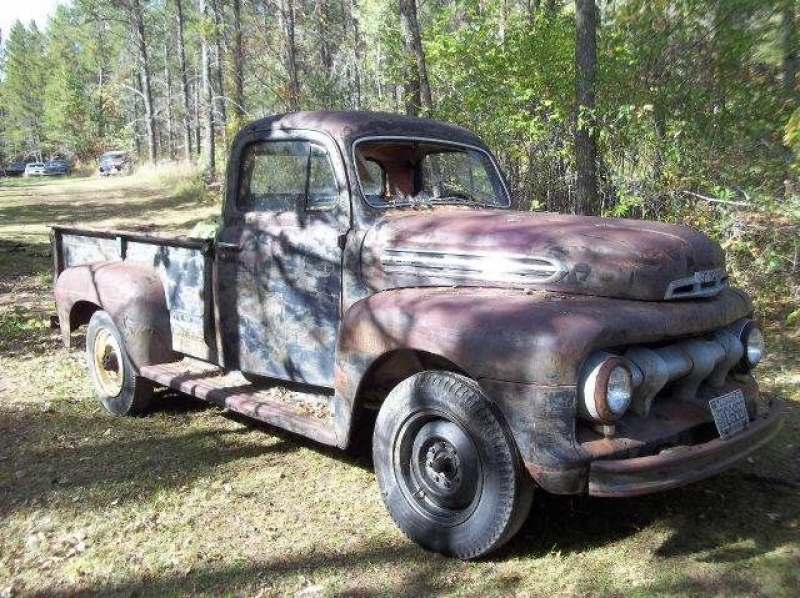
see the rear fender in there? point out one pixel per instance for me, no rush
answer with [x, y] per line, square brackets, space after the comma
[133, 296]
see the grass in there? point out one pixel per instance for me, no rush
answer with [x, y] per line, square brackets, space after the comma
[189, 499]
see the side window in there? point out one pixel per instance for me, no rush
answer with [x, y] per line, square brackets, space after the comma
[286, 176]
[323, 191]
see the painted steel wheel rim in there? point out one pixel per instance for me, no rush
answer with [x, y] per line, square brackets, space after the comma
[108, 363]
[438, 468]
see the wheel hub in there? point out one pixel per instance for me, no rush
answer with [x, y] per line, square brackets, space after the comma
[110, 362]
[444, 470]
[442, 464]
[107, 367]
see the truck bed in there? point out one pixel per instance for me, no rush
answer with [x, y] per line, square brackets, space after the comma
[183, 265]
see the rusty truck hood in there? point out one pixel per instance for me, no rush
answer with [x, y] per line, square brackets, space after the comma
[609, 257]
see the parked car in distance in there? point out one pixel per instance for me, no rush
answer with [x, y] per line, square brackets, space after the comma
[56, 167]
[35, 169]
[15, 169]
[115, 162]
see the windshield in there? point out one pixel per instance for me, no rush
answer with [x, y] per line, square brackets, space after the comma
[401, 172]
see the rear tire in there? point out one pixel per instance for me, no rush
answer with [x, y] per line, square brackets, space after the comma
[116, 382]
[448, 469]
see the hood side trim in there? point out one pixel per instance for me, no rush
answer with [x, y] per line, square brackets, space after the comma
[486, 266]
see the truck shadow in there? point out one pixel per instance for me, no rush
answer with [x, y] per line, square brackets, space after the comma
[747, 511]
[754, 502]
[60, 455]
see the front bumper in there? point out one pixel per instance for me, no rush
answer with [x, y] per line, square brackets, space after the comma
[681, 465]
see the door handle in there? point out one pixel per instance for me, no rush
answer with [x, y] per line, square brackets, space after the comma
[229, 246]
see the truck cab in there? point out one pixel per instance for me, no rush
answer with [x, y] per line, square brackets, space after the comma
[370, 273]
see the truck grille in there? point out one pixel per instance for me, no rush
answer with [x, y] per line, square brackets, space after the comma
[687, 363]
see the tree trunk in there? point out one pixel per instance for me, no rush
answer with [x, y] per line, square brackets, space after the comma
[238, 64]
[168, 104]
[324, 47]
[585, 73]
[209, 161]
[196, 116]
[353, 34]
[137, 141]
[286, 15]
[418, 91]
[101, 108]
[220, 96]
[187, 125]
[789, 42]
[102, 69]
[144, 75]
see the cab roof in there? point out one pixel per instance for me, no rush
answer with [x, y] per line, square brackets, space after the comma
[347, 126]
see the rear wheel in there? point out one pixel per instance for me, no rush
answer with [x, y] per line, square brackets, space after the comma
[448, 470]
[118, 386]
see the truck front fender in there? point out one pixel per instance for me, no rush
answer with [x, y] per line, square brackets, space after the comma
[533, 338]
[133, 296]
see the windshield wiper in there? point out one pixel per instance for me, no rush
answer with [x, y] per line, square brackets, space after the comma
[460, 201]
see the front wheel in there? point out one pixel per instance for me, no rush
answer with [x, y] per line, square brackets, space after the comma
[120, 389]
[447, 468]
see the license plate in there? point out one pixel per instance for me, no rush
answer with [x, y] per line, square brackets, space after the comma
[730, 413]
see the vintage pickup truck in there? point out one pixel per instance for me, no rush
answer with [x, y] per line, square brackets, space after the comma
[369, 274]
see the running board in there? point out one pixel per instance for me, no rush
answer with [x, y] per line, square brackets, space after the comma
[307, 415]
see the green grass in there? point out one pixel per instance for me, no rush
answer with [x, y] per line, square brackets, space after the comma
[191, 500]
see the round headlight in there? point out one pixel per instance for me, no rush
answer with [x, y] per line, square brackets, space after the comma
[606, 387]
[753, 342]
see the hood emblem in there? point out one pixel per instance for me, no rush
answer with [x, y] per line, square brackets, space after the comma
[704, 283]
[488, 266]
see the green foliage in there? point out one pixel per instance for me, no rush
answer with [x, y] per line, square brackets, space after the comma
[690, 93]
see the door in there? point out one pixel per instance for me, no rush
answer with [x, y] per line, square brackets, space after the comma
[279, 260]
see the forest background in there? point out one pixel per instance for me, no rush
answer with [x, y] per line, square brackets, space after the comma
[677, 110]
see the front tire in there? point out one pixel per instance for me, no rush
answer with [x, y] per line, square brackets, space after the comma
[117, 383]
[447, 468]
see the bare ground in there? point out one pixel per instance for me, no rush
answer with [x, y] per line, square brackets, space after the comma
[191, 500]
